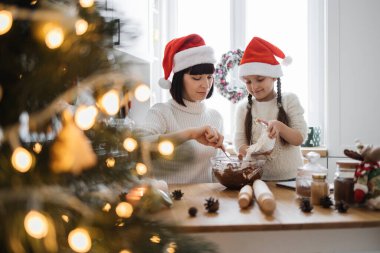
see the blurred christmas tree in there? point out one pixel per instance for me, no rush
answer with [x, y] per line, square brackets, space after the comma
[72, 176]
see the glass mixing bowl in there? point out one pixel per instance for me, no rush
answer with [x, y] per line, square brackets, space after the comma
[234, 173]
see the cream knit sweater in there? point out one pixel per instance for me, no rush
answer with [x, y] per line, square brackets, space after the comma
[284, 160]
[170, 117]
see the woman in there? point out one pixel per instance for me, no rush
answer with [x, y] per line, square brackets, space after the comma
[185, 119]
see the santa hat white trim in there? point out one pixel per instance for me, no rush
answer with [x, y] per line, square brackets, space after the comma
[261, 69]
[193, 56]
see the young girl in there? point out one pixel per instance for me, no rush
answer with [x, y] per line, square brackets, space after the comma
[281, 112]
[185, 119]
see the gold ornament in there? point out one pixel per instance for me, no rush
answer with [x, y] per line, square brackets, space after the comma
[71, 151]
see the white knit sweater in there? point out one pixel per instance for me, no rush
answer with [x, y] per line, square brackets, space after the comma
[284, 159]
[170, 117]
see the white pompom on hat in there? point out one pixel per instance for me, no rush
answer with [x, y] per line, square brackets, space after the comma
[259, 59]
[182, 53]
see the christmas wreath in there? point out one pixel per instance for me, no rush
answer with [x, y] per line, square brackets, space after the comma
[229, 60]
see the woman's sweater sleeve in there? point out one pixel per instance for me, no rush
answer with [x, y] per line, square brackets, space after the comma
[239, 133]
[295, 114]
[154, 124]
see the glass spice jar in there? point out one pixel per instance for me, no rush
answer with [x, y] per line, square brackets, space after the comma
[344, 181]
[304, 174]
[319, 188]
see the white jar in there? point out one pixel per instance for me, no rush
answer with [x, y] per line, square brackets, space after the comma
[304, 174]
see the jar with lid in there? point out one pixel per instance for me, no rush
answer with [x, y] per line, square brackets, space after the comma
[344, 181]
[304, 174]
[319, 188]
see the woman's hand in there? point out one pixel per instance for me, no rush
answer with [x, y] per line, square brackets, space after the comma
[208, 136]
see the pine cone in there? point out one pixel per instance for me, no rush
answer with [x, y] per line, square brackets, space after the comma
[177, 194]
[305, 205]
[193, 211]
[326, 202]
[212, 205]
[341, 206]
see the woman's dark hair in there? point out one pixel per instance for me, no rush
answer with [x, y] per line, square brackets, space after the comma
[282, 116]
[176, 90]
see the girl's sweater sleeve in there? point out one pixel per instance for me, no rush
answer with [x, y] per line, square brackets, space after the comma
[295, 113]
[239, 131]
[154, 124]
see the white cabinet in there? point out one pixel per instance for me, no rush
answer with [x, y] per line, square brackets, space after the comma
[136, 20]
[353, 68]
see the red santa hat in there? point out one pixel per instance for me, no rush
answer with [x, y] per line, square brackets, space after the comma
[259, 59]
[182, 53]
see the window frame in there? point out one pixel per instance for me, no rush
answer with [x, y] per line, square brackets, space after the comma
[316, 50]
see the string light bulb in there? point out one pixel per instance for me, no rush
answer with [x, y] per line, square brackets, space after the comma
[65, 218]
[6, 21]
[155, 239]
[124, 210]
[86, 3]
[110, 102]
[106, 207]
[36, 224]
[125, 251]
[110, 162]
[85, 116]
[81, 26]
[130, 144]
[80, 240]
[166, 147]
[21, 159]
[141, 169]
[54, 38]
[37, 147]
[142, 93]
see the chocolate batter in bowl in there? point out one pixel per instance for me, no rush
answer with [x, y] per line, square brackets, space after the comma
[235, 173]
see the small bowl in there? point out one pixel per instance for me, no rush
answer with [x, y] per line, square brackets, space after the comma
[234, 173]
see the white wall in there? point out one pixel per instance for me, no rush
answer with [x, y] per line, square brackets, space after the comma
[352, 74]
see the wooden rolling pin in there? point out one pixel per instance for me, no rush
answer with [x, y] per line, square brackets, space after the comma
[245, 196]
[264, 196]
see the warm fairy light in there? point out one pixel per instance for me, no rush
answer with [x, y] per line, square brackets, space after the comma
[142, 93]
[65, 218]
[106, 207]
[155, 239]
[36, 224]
[125, 251]
[54, 38]
[124, 210]
[171, 247]
[86, 3]
[80, 240]
[37, 147]
[21, 159]
[81, 26]
[85, 116]
[110, 162]
[166, 147]
[6, 21]
[130, 144]
[110, 102]
[33, 2]
[141, 169]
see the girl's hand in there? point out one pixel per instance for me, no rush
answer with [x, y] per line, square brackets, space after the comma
[242, 152]
[274, 127]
